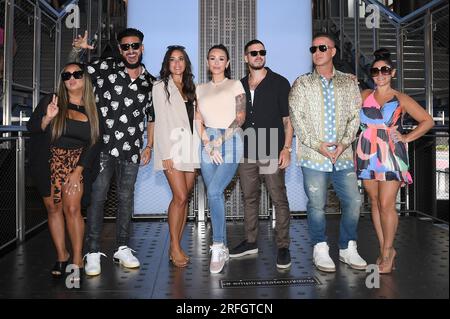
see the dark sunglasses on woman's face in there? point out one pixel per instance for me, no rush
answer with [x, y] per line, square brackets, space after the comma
[385, 70]
[127, 46]
[65, 76]
[322, 48]
[255, 53]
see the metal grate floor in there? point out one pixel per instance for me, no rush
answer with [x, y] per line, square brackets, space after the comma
[422, 266]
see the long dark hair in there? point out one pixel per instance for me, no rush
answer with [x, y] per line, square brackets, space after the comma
[188, 78]
[59, 122]
[223, 48]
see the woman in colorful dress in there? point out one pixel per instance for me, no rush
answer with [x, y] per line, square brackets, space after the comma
[382, 151]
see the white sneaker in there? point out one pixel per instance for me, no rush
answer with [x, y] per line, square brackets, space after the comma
[351, 257]
[124, 256]
[92, 266]
[219, 255]
[322, 259]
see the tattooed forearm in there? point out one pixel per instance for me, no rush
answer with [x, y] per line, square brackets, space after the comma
[288, 128]
[200, 127]
[240, 117]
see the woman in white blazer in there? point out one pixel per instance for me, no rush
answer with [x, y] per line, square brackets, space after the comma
[174, 142]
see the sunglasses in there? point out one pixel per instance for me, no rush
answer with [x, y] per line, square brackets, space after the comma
[127, 46]
[385, 70]
[322, 48]
[255, 53]
[65, 76]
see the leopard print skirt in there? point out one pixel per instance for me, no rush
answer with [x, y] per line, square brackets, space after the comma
[62, 163]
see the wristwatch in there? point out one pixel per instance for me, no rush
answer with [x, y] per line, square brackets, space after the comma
[288, 148]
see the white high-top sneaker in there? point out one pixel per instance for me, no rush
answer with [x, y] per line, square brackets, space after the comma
[351, 257]
[125, 257]
[219, 255]
[92, 266]
[322, 259]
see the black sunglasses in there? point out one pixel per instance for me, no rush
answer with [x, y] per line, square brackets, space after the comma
[134, 46]
[65, 76]
[322, 48]
[255, 53]
[385, 70]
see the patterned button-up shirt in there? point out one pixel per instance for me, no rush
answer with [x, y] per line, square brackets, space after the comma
[329, 131]
[123, 104]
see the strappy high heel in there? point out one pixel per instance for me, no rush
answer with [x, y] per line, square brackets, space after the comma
[388, 262]
[178, 263]
[59, 268]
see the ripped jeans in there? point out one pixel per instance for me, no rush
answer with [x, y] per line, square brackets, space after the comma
[345, 185]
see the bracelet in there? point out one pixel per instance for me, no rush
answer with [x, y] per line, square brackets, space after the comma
[148, 146]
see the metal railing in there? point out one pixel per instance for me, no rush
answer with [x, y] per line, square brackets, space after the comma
[420, 53]
[21, 207]
[37, 41]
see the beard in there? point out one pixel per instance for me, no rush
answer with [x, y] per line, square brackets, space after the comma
[132, 65]
[257, 67]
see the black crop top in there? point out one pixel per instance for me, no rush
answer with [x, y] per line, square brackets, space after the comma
[77, 133]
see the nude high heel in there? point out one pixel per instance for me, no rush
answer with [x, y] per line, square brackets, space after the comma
[388, 262]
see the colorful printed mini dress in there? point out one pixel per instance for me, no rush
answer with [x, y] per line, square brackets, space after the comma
[378, 157]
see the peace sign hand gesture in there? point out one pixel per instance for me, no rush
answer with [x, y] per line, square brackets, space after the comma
[52, 108]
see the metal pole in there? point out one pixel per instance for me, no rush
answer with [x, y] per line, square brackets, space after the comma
[108, 20]
[341, 27]
[201, 200]
[399, 58]
[8, 61]
[36, 55]
[376, 39]
[57, 53]
[20, 185]
[328, 15]
[357, 53]
[319, 14]
[89, 25]
[428, 39]
[99, 48]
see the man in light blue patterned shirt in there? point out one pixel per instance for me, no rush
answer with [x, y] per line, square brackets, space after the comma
[324, 108]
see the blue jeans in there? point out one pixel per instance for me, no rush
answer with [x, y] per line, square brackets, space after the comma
[217, 178]
[126, 173]
[346, 187]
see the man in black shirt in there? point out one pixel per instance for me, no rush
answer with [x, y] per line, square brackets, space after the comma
[123, 92]
[267, 151]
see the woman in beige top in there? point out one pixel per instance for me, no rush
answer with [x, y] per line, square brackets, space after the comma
[220, 113]
[174, 100]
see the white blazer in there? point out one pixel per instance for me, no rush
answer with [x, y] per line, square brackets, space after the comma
[173, 138]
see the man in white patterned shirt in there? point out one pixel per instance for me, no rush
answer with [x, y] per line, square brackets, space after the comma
[123, 92]
[324, 108]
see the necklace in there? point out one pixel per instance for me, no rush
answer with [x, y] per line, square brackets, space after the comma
[254, 83]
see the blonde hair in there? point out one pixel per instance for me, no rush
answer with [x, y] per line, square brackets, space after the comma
[59, 122]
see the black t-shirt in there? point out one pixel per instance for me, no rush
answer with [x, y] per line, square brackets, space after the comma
[270, 105]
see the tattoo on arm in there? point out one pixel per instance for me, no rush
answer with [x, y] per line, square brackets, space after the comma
[201, 127]
[288, 131]
[240, 117]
